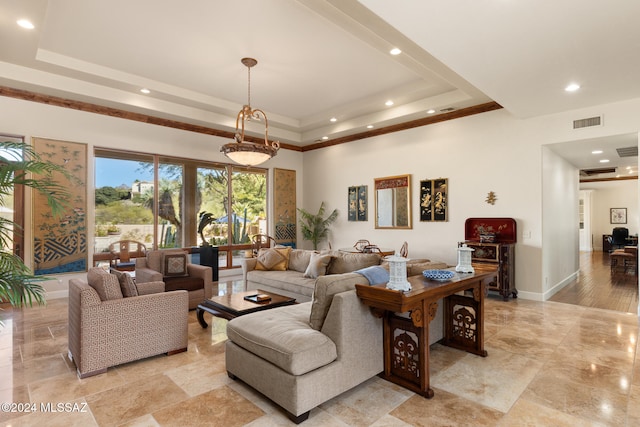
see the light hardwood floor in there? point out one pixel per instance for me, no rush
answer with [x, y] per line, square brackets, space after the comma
[597, 287]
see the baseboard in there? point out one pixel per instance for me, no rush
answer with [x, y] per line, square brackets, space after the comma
[63, 293]
[554, 290]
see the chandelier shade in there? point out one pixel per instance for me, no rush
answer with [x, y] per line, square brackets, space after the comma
[245, 152]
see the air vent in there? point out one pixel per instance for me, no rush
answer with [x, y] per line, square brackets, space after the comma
[588, 122]
[447, 110]
[591, 172]
[628, 151]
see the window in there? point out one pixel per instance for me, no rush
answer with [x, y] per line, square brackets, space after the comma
[196, 203]
[13, 209]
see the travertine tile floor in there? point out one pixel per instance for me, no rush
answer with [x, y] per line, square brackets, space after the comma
[549, 364]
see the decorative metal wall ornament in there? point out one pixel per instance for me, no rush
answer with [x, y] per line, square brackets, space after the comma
[434, 204]
[357, 202]
[491, 198]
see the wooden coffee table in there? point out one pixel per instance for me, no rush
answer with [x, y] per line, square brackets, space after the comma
[234, 305]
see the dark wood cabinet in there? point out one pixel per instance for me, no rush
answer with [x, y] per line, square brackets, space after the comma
[504, 256]
[494, 242]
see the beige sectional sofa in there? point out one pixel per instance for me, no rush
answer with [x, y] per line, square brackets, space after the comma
[291, 281]
[302, 355]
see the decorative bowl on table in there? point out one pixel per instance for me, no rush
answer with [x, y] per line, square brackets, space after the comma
[441, 275]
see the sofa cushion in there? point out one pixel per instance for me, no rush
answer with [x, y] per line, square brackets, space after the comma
[416, 269]
[283, 337]
[183, 283]
[127, 285]
[299, 259]
[273, 259]
[326, 287]
[106, 285]
[344, 262]
[289, 280]
[174, 265]
[318, 265]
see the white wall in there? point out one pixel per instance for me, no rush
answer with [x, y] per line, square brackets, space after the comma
[487, 152]
[39, 120]
[612, 194]
[560, 199]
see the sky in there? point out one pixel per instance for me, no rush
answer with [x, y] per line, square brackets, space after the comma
[114, 172]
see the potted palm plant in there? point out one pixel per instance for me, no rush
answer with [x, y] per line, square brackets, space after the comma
[20, 165]
[315, 227]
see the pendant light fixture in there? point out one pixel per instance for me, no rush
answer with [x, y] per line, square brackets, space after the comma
[245, 152]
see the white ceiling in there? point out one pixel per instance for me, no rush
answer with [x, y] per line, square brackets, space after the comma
[322, 59]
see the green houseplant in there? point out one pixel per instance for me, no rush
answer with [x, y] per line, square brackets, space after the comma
[315, 227]
[20, 165]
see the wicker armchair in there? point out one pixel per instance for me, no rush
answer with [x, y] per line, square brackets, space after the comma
[120, 330]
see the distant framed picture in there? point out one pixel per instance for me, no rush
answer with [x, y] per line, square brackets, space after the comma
[618, 215]
[358, 203]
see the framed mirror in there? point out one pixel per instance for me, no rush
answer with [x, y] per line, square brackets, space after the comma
[393, 201]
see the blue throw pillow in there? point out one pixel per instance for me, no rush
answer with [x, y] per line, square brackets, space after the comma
[375, 274]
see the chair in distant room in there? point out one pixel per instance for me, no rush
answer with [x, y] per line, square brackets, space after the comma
[124, 253]
[618, 238]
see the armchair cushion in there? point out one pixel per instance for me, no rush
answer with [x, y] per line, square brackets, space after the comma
[127, 286]
[175, 265]
[155, 259]
[106, 285]
[183, 283]
[150, 288]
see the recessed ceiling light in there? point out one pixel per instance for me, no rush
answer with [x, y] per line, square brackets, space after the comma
[572, 87]
[370, 127]
[324, 138]
[596, 152]
[389, 103]
[395, 51]
[145, 91]
[604, 161]
[333, 119]
[431, 111]
[25, 23]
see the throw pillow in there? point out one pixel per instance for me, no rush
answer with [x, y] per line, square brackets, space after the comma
[175, 265]
[155, 258]
[127, 286]
[299, 259]
[105, 284]
[376, 275]
[317, 265]
[274, 259]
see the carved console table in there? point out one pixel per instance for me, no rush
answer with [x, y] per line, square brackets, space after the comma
[406, 340]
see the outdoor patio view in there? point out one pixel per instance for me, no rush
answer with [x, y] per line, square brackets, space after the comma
[197, 204]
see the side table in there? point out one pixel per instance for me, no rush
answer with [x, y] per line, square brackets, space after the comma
[406, 341]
